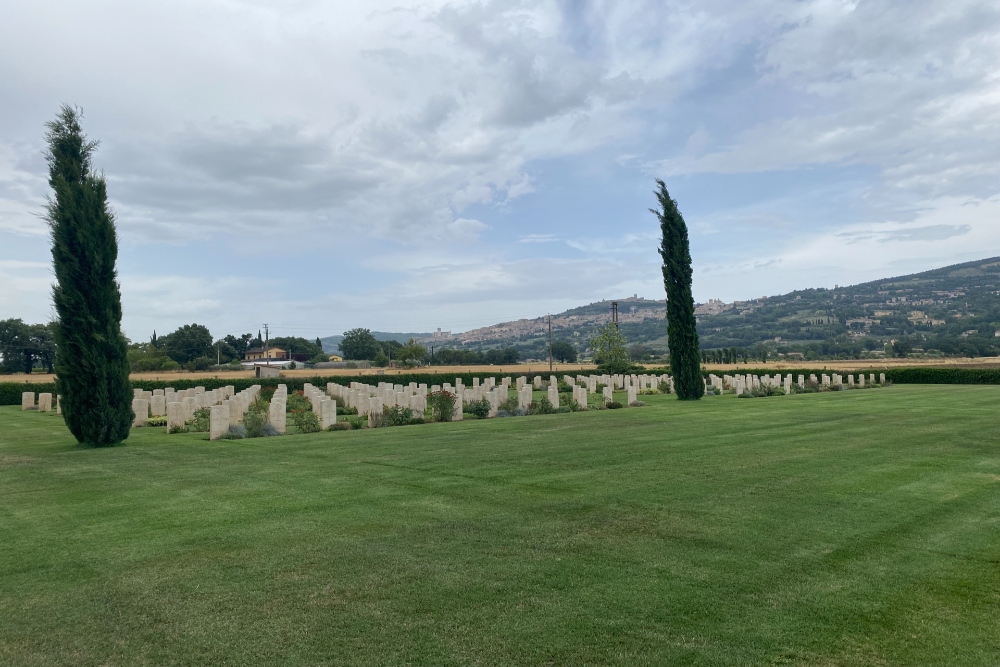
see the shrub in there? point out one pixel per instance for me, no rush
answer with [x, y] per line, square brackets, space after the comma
[358, 422]
[564, 409]
[393, 416]
[346, 411]
[306, 421]
[340, 426]
[663, 387]
[503, 413]
[156, 421]
[509, 406]
[255, 421]
[177, 429]
[569, 402]
[542, 406]
[613, 405]
[636, 404]
[520, 412]
[202, 421]
[297, 402]
[599, 388]
[237, 432]
[479, 409]
[199, 364]
[442, 405]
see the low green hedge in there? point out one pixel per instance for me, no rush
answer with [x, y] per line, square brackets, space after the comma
[10, 392]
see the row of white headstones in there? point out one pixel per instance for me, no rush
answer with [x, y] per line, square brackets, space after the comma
[227, 406]
[744, 383]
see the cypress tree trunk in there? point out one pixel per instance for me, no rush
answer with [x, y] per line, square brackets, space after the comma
[682, 334]
[92, 371]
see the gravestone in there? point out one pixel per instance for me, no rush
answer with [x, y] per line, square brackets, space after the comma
[235, 410]
[140, 408]
[175, 416]
[27, 400]
[45, 402]
[608, 395]
[158, 405]
[327, 413]
[218, 421]
[276, 412]
[881, 378]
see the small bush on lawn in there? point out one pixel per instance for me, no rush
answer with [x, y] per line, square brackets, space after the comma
[202, 421]
[613, 405]
[346, 411]
[442, 405]
[520, 412]
[542, 406]
[565, 388]
[156, 421]
[479, 409]
[296, 402]
[358, 423]
[509, 405]
[503, 413]
[306, 421]
[663, 387]
[177, 429]
[636, 404]
[340, 426]
[237, 432]
[600, 388]
[393, 416]
[563, 409]
[569, 402]
[255, 421]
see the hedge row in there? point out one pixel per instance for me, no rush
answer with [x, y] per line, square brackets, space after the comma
[10, 392]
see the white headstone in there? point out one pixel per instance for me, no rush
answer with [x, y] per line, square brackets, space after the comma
[140, 408]
[218, 422]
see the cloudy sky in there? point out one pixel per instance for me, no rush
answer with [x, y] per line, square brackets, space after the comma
[406, 166]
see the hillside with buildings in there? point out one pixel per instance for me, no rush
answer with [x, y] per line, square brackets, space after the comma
[951, 311]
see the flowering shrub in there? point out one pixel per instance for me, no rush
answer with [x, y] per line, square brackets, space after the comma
[442, 405]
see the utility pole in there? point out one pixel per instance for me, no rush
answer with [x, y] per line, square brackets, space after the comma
[550, 342]
[218, 354]
[614, 313]
[267, 339]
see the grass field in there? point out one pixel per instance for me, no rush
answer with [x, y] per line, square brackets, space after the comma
[848, 528]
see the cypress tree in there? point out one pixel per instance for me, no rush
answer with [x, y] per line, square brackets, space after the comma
[682, 334]
[92, 370]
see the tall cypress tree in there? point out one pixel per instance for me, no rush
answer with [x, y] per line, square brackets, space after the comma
[92, 370]
[682, 334]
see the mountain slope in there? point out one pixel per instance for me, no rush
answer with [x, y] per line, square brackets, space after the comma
[954, 310]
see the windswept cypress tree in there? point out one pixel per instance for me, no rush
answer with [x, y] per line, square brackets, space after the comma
[92, 370]
[682, 334]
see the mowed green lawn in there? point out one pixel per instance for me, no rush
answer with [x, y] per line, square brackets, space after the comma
[852, 528]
